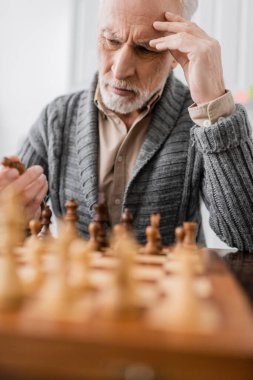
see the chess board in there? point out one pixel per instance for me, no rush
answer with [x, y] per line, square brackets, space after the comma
[89, 340]
[111, 309]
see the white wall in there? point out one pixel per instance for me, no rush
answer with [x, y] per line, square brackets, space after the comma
[35, 37]
[47, 48]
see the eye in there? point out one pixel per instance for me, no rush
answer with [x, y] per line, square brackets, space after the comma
[144, 51]
[112, 43]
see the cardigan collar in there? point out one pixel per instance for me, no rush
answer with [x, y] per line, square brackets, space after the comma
[87, 139]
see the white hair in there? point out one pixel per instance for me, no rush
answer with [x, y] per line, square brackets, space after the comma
[189, 8]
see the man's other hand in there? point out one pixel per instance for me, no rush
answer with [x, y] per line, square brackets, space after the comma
[31, 186]
[197, 53]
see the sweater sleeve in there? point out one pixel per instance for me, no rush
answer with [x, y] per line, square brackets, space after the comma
[227, 149]
[34, 149]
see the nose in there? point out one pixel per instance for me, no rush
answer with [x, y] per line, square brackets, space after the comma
[124, 63]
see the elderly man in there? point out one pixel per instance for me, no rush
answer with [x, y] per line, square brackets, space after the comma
[150, 143]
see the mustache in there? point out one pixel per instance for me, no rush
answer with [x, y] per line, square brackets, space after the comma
[121, 84]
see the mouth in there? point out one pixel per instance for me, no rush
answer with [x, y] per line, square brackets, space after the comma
[122, 91]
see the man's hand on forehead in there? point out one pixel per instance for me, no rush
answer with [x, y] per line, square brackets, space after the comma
[197, 53]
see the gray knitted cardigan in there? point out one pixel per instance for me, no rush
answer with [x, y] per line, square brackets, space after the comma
[177, 162]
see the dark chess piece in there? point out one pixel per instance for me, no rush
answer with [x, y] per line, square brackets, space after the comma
[14, 164]
[153, 245]
[71, 217]
[127, 219]
[102, 219]
[45, 222]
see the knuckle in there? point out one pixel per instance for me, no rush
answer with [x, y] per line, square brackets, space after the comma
[215, 44]
[42, 179]
[25, 195]
[34, 172]
[194, 25]
[37, 200]
[188, 27]
[182, 36]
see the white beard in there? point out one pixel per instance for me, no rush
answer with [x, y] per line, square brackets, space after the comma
[124, 105]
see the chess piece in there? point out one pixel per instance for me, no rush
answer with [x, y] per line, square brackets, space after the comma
[185, 307]
[94, 231]
[127, 219]
[190, 229]
[80, 252]
[45, 223]
[35, 227]
[14, 164]
[179, 235]
[34, 248]
[11, 219]
[71, 214]
[153, 245]
[101, 218]
[155, 223]
[71, 218]
[55, 295]
[190, 248]
[125, 250]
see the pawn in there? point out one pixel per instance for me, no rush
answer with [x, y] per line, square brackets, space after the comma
[55, 295]
[126, 303]
[190, 229]
[71, 217]
[127, 219]
[80, 252]
[190, 247]
[101, 218]
[179, 235]
[151, 248]
[119, 230]
[35, 227]
[71, 214]
[154, 245]
[45, 223]
[94, 231]
[155, 223]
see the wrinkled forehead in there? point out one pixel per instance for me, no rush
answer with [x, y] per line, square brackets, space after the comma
[129, 13]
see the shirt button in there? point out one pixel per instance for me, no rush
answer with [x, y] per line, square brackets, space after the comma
[120, 158]
[117, 202]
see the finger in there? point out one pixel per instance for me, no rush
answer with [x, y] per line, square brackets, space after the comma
[30, 193]
[181, 46]
[33, 207]
[7, 176]
[27, 178]
[174, 17]
[178, 27]
[33, 214]
[182, 42]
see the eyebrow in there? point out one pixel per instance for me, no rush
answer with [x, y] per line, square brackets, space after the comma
[112, 34]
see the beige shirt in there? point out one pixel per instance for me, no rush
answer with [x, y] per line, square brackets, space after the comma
[119, 147]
